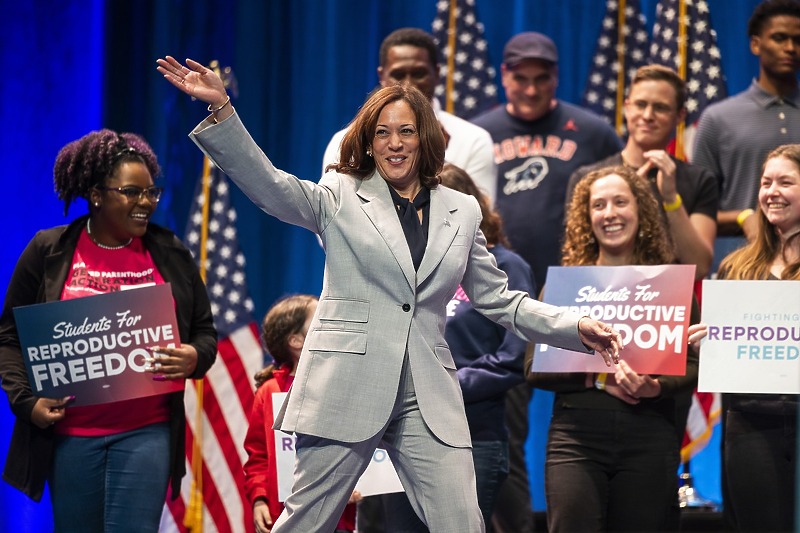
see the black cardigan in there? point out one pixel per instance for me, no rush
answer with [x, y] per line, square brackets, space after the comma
[39, 277]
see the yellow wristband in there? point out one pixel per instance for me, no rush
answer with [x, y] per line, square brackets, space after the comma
[674, 205]
[743, 215]
[600, 381]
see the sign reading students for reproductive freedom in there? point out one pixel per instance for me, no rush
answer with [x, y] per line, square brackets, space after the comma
[94, 348]
[753, 339]
[649, 305]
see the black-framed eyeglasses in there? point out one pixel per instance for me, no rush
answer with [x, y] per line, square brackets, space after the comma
[135, 194]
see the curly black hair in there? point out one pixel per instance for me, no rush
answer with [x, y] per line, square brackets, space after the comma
[89, 161]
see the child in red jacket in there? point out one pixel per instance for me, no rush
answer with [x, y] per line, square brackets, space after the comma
[283, 333]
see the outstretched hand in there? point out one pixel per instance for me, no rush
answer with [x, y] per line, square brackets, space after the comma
[602, 338]
[194, 79]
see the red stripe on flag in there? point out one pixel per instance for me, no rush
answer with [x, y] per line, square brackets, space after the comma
[225, 439]
[228, 355]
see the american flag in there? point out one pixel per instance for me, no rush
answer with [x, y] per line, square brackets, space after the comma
[621, 49]
[217, 418]
[684, 40]
[467, 86]
[703, 415]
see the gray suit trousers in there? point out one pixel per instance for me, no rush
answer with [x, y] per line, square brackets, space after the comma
[439, 479]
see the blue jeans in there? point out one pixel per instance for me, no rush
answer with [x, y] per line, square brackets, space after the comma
[115, 483]
[491, 469]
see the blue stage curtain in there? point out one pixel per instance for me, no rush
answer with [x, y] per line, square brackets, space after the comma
[52, 93]
[303, 70]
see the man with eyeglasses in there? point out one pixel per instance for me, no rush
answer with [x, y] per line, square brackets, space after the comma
[689, 195]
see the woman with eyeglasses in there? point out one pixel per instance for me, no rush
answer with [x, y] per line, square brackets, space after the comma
[107, 465]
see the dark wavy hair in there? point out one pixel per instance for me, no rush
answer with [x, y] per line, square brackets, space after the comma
[286, 317]
[89, 161]
[754, 259]
[653, 245]
[768, 9]
[457, 179]
[353, 158]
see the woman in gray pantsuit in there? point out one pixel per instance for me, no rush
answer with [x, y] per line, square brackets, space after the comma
[376, 369]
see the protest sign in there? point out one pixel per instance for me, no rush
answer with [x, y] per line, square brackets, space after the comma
[379, 477]
[753, 340]
[94, 348]
[649, 305]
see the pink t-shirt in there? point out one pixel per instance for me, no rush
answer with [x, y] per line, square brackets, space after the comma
[96, 270]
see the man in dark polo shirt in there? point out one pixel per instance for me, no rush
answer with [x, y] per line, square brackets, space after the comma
[688, 193]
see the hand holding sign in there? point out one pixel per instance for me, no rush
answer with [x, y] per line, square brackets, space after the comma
[172, 362]
[697, 332]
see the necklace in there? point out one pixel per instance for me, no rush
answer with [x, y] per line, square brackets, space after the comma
[104, 246]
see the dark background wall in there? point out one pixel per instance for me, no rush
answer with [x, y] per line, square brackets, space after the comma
[303, 69]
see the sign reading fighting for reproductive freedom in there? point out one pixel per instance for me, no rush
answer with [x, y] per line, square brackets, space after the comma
[753, 339]
[649, 305]
[380, 476]
[95, 348]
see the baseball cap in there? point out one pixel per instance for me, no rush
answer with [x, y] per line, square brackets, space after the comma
[529, 45]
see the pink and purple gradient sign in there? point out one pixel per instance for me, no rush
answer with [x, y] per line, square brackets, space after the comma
[95, 348]
[649, 305]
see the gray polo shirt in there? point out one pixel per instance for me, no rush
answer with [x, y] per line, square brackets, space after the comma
[735, 135]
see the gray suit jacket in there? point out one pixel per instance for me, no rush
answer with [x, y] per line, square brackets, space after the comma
[374, 307]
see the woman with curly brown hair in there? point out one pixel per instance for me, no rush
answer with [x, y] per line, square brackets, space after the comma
[108, 465]
[614, 441]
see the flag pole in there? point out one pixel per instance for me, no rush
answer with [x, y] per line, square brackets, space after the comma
[449, 106]
[193, 518]
[621, 62]
[682, 22]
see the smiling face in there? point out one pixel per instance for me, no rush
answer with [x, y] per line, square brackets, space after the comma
[779, 195]
[118, 218]
[395, 147]
[615, 219]
[651, 114]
